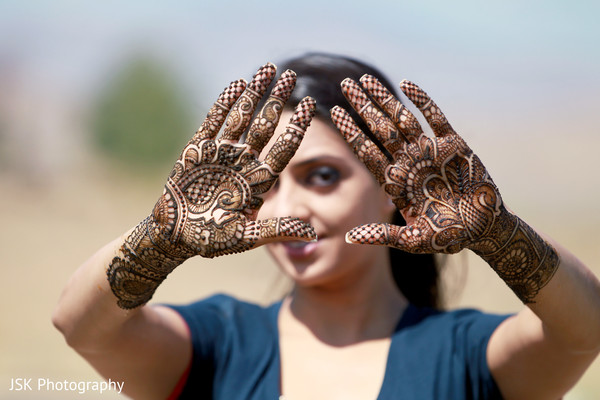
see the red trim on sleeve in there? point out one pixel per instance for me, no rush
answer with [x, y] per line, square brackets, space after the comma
[184, 377]
[181, 383]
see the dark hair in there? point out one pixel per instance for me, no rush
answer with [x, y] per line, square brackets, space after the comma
[319, 76]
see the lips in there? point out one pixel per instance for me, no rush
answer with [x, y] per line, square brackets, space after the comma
[299, 249]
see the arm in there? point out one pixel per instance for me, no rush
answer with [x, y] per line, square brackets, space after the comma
[451, 203]
[125, 345]
[542, 351]
[208, 208]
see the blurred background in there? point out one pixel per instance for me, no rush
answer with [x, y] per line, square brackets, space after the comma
[97, 99]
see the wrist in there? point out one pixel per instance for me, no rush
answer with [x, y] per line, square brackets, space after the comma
[522, 258]
[141, 264]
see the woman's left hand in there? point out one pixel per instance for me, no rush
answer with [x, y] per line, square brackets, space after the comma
[450, 203]
[439, 185]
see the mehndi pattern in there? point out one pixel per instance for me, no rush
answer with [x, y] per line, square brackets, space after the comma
[441, 187]
[209, 203]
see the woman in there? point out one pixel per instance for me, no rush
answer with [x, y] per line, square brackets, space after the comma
[346, 330]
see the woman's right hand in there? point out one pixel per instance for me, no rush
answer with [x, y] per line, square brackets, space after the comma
[211, 198]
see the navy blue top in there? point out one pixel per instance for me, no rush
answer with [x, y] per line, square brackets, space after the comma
[433, 354]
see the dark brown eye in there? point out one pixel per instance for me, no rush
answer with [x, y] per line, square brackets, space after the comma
[323, 176]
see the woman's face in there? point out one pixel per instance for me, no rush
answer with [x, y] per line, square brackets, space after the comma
[326, 185]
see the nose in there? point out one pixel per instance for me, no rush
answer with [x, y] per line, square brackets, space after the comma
[287, 198]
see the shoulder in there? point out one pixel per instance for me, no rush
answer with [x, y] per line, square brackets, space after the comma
[460, 337]
[231, 339]
[465, 320]
[222, 311]
[219, 303]
[442, 354]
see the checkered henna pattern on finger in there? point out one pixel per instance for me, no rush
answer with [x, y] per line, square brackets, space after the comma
[432, 113]
[218, 112]
[407, 123]
[364, 148]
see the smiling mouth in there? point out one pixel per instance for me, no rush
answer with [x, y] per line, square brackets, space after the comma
[299, 249]
[296, 244]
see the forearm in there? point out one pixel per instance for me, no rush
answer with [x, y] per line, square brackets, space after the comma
[569, 305]
[122, 344]
[87, 312]
[542, 351]
[524, 260]
[561, 291]
[141, 263]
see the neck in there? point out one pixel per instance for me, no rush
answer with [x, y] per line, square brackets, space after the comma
[364, 308]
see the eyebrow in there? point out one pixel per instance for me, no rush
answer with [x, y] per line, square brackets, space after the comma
[317, 159]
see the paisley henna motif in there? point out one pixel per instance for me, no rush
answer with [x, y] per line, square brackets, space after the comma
[267, 119]
[211, 197]
[441, 187]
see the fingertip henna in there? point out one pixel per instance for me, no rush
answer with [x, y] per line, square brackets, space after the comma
[287, 227]
[304, 113]
[232, 92]
[432, 113]
[369, 234]
[415, 94]
[355, 95]
[218, 112]
[364, 148]
[262, 78]
[279, 228]
[375, 89]
[285, 85]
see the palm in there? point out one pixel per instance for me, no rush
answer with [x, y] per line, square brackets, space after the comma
[442, 189]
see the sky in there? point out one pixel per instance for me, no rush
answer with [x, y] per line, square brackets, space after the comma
[525, 70]
[446, 43]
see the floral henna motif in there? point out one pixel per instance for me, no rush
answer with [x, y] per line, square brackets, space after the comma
[211, 197]
[441, 187]
[268, 118]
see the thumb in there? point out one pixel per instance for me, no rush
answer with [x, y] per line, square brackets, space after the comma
[281, 229]
[406, 238]
[379, 234]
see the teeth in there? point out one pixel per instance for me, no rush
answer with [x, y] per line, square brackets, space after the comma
[297, 244]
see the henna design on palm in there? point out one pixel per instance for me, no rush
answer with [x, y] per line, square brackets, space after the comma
[211, 198]
[440, 186]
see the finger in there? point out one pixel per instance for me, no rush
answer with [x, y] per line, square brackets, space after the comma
[432, 113]
[379, 124]
[278, 229]
[370, 234]
[406, 122]
[260, 180]
[364, 148]
[218, 112]
[267, 119]
[242, 111]
[412, 239]
[287, 143]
